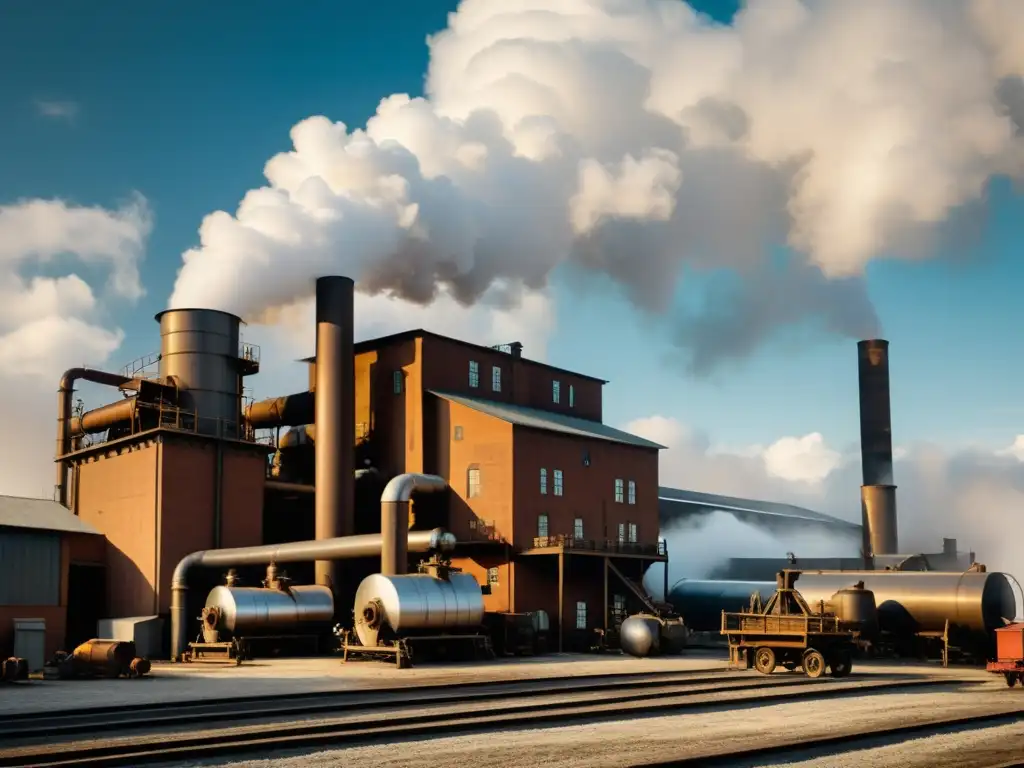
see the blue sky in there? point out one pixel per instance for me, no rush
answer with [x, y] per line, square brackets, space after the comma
[186, 107]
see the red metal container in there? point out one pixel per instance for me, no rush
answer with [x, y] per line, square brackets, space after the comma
[1010, 642]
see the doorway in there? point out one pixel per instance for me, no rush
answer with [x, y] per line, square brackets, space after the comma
[87, 602]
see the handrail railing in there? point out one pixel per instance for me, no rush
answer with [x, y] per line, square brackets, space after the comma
[600, 545]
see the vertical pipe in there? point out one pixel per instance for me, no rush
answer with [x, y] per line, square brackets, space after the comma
[878, 494]
[335, 417]
[394, 528]
[218, 495]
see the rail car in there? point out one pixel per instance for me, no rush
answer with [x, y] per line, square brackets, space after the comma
[1009, 661]
[787, 632]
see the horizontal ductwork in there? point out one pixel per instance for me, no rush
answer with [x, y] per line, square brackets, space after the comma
[286, 411]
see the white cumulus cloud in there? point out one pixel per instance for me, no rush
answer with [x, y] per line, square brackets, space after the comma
[51, 318]
[643, 140]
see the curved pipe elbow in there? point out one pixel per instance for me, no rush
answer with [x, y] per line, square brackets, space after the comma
[401, 487]
[179, 580]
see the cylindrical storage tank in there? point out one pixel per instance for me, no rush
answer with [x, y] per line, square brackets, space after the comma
[640, 636]
[412, 603]
[855, 606]
[252, 611]
[701, 602]
[199, 347]
[907, 601]
[104, 657]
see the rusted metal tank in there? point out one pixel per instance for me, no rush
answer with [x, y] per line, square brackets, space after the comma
[102, 658]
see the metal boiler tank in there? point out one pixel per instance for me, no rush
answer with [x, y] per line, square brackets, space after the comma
[199, 348]
[394, 606]
[254, 611]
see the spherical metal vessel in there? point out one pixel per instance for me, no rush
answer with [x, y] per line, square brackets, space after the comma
[414, 602]
[253, 611]
[907, 601]
[640, 636]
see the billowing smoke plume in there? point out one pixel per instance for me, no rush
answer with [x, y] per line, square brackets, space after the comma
[642, 140]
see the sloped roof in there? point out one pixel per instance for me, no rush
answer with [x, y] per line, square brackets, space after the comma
[548, 421]
[40, 515]
[670, 496]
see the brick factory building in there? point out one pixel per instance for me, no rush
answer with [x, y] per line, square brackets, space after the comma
[552, 509]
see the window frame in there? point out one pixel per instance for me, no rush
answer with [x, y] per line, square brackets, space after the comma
[543, 524]
[543, 481]
[631, 492]
[572, 396]
[556, 391]
[496, 378]
[474, 374]
[558, 482]
[581, 614]
[632, 533]
[398, 382]
[620, 490]
[577, 528]
[470, 485]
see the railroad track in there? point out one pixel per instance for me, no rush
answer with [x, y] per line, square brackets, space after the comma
[401, 717]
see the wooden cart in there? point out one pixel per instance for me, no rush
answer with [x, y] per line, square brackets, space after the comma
[785, 631]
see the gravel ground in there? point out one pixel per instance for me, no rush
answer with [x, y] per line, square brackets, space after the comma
[637, 741]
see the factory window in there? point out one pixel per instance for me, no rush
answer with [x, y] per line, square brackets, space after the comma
[558, 482]
[458, 433]
[572, 396]
[632, 492]
[619, 605]
[618, 491]
[473, 478]
[496, 379]
[581, 615]
[542, 526]
[622, 533]
[577, 528]
[632, 533]
[543, 481]
[474, 373]
[398, 382]
[492, 575]
[556, 391]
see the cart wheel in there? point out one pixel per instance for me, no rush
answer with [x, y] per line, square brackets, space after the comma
[1011, 680]
[764, 660]
[813, 663]
[842, 664]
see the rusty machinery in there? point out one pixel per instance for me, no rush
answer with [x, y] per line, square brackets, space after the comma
[98, 658]
[1009, 660]
[13, 670]
[787, 631]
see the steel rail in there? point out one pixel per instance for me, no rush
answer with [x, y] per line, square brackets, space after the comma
[207, 712]
[231, 743]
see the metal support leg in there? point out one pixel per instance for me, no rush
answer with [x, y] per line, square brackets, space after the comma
[561, 595]
[604, 567]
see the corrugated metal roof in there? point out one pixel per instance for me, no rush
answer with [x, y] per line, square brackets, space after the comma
[41, 515]
[752, 506]
[550, 422]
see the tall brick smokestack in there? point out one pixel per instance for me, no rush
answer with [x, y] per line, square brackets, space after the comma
[878, 493]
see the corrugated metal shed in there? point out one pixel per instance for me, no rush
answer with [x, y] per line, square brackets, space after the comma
[670, 500]
[29, 567]
[41, 515]
[550, 422]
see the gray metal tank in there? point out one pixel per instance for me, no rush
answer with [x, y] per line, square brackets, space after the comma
[253, 611]
[907, 601]
[200, 349]
[415, 602]
[855, 606]
[644, 635]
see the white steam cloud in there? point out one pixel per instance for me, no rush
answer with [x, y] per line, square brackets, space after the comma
[639, 139]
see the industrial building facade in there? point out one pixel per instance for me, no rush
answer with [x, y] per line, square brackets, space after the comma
[552, 509]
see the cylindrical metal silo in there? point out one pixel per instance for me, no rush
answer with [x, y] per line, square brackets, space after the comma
[199, 348]
[878, 495]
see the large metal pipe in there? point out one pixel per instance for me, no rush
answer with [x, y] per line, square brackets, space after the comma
[286, 411]
[346, 547]
[908, 601]
[394, 518]
[65, 392]
[335, 416]
[878, 495]
[103, 418]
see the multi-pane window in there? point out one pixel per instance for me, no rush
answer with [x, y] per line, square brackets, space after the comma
[556, 391]
[397, 382]
[473, 482]
[543, 481]
[622, 533]
[632, 533]
[577, 528]
[581, 615]
[496, 379]
[458, 432]
[492, 575]
[619, 494]
[474, 373]
[632, 492]
[542, 526]
[619, 606]
[572, 396]
[558, 482]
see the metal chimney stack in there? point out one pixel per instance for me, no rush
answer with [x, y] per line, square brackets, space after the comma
[878, 494]
[335, 417]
